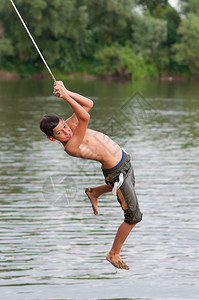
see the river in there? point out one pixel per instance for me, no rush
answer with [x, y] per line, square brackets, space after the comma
[51, 244]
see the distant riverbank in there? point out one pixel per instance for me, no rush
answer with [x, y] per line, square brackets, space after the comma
[8, 75]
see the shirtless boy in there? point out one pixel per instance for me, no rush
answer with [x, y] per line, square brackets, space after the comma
[79, 141]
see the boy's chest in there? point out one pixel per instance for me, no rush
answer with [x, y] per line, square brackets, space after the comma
[91, 146]
[88, 148]
[95, 138]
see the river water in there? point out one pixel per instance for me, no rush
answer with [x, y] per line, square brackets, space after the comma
[51, 244]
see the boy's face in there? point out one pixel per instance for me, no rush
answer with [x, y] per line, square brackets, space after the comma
[62, 132]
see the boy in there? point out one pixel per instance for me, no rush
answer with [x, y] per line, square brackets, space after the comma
[79, 141]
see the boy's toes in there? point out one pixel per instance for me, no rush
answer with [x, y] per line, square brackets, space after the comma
[118, 263]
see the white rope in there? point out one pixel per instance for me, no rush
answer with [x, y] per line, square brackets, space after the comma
[33, 40]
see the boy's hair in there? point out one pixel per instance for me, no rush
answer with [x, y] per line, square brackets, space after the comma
[48, 123]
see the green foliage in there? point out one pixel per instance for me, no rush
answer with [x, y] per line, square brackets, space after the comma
[149, 37]
[6, 47]
[186, 51]
[173, 21]
[112, 37]
[151, 5]
[123, 62]
[172, 18]
[148, 33]
[58, 26]
[110, 20]
[190, 6]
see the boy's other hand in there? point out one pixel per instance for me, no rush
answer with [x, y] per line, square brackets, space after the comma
[59, 89]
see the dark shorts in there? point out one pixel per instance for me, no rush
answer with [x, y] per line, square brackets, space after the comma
[126, 193]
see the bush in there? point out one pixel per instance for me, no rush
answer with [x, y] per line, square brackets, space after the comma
[122, 62]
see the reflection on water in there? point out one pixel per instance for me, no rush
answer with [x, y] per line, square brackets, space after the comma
[52, 246]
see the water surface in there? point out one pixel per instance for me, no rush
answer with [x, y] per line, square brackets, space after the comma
[51, 244]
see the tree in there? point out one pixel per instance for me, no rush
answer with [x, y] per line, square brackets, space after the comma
[110, 20]
[149, 34]
[173, 20]
[186, 51]
[190, 6]
[58, 26]
[172, 17]
[151, 5]
[122, 62]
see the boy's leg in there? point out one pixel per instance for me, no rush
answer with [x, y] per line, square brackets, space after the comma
[94, 193]
[123, 231]
[114, 255]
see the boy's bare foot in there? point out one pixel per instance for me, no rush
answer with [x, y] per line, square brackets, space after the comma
[93, 199]
[116, 261]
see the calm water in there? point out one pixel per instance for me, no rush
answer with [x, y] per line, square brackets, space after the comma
[51, 244]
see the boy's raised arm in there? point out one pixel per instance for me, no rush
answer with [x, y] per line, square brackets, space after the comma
[80, 113]
[85, 102]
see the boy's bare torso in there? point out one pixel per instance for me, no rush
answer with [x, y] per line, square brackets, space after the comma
[98, 146]
[78, 140]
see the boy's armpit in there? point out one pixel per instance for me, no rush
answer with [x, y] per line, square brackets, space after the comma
[72, 121]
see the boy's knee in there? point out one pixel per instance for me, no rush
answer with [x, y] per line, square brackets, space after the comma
[132, 217]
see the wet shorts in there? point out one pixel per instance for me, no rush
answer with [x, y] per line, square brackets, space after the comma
[126, 192]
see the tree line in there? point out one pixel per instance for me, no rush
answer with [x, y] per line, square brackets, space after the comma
[122, 38]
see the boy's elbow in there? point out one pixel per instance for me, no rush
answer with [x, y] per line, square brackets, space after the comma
[86, 117]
